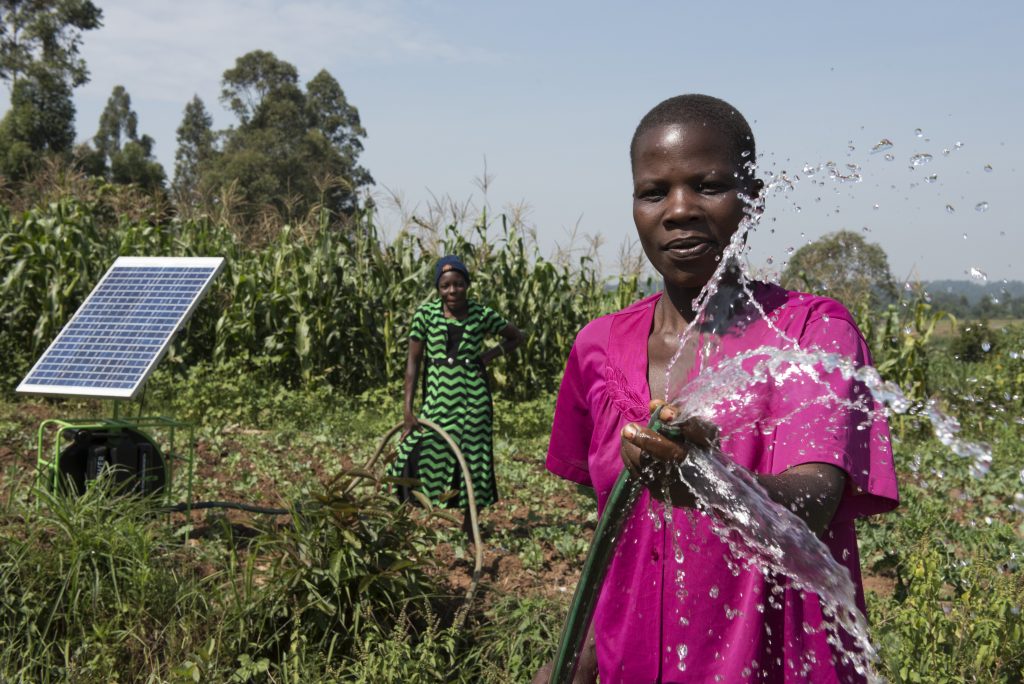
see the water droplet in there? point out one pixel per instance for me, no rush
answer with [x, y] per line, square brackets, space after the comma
[875, 207]
[918, 132]
[920, 158]
[932, 178]
[981, 206]
[965, 236]
[950, 209]
[882, 145]
[809, 170]
[958, 145]
[889, 156]
[789, 250]
[986, 346]
[988, 168]
[977, 274]
[713, 592]
[945, 151]
[745, 153]
[1022, 476]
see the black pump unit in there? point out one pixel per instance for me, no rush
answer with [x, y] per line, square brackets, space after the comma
[130, 456]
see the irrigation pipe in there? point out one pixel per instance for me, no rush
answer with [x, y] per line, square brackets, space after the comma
[470, 497]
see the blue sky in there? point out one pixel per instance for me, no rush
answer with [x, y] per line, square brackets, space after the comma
[549, 93]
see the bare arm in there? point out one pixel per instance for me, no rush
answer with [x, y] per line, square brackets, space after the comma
[811, 490]
[513, 337]
[412, 372]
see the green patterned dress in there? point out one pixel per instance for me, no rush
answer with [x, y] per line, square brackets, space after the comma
[457, 398]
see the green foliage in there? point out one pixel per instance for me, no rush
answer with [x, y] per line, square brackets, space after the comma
[844, 266]
[935, 634]
[899, 339]
[308, 305]
[973, 342]
[96, 585]
[40, 122]
[85, 584]
[39, 58]
[121, 155]
[47, 34]
[293, 151]
[195, 148]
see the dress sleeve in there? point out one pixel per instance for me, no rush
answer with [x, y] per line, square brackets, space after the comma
[572, 427]
[418, 329]
[826, 418]
[493, 322]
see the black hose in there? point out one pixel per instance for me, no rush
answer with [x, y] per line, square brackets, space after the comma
[201, 505]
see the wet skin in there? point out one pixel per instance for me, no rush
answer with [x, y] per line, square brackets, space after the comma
[686, 203]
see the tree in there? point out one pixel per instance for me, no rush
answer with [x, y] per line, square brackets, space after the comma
[256, 76]
[291, 149]
[46, 33]
[844, 266]
[195, 147]
[41, 121]
[332, 117]
[121, 155]
[39, 59]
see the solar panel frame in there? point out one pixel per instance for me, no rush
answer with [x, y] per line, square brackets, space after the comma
[163, 311]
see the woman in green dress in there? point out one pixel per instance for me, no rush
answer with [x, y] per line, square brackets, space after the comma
[447, 340]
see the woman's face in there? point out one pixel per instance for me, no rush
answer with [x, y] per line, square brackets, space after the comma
[452, 287]
[685, 200]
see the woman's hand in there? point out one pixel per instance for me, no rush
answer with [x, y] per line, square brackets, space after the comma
[642, 447]
[410, 423]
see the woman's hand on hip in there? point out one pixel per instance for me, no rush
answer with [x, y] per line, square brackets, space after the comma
[409, 424]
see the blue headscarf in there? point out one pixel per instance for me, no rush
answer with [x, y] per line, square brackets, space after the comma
[447, 263]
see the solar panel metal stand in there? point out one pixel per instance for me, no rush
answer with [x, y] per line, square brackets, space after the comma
[55, 435]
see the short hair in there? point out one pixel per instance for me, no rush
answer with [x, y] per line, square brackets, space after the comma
[704, 109]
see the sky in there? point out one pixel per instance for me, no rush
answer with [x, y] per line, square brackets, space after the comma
[547, 95]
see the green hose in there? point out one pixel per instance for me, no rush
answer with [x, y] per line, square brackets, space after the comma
[581, 610]
[617, 510]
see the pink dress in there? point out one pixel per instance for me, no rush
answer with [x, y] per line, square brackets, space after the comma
[719, 622]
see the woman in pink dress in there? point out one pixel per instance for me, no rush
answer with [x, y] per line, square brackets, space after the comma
[677, 604]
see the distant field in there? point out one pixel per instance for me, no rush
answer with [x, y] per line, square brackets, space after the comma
[945, 326]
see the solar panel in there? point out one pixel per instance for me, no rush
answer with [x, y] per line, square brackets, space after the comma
[123, 328]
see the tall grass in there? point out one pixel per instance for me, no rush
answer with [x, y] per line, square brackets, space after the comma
[102, 585]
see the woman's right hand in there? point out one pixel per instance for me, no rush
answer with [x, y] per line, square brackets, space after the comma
[641, 445]
[410, 423]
